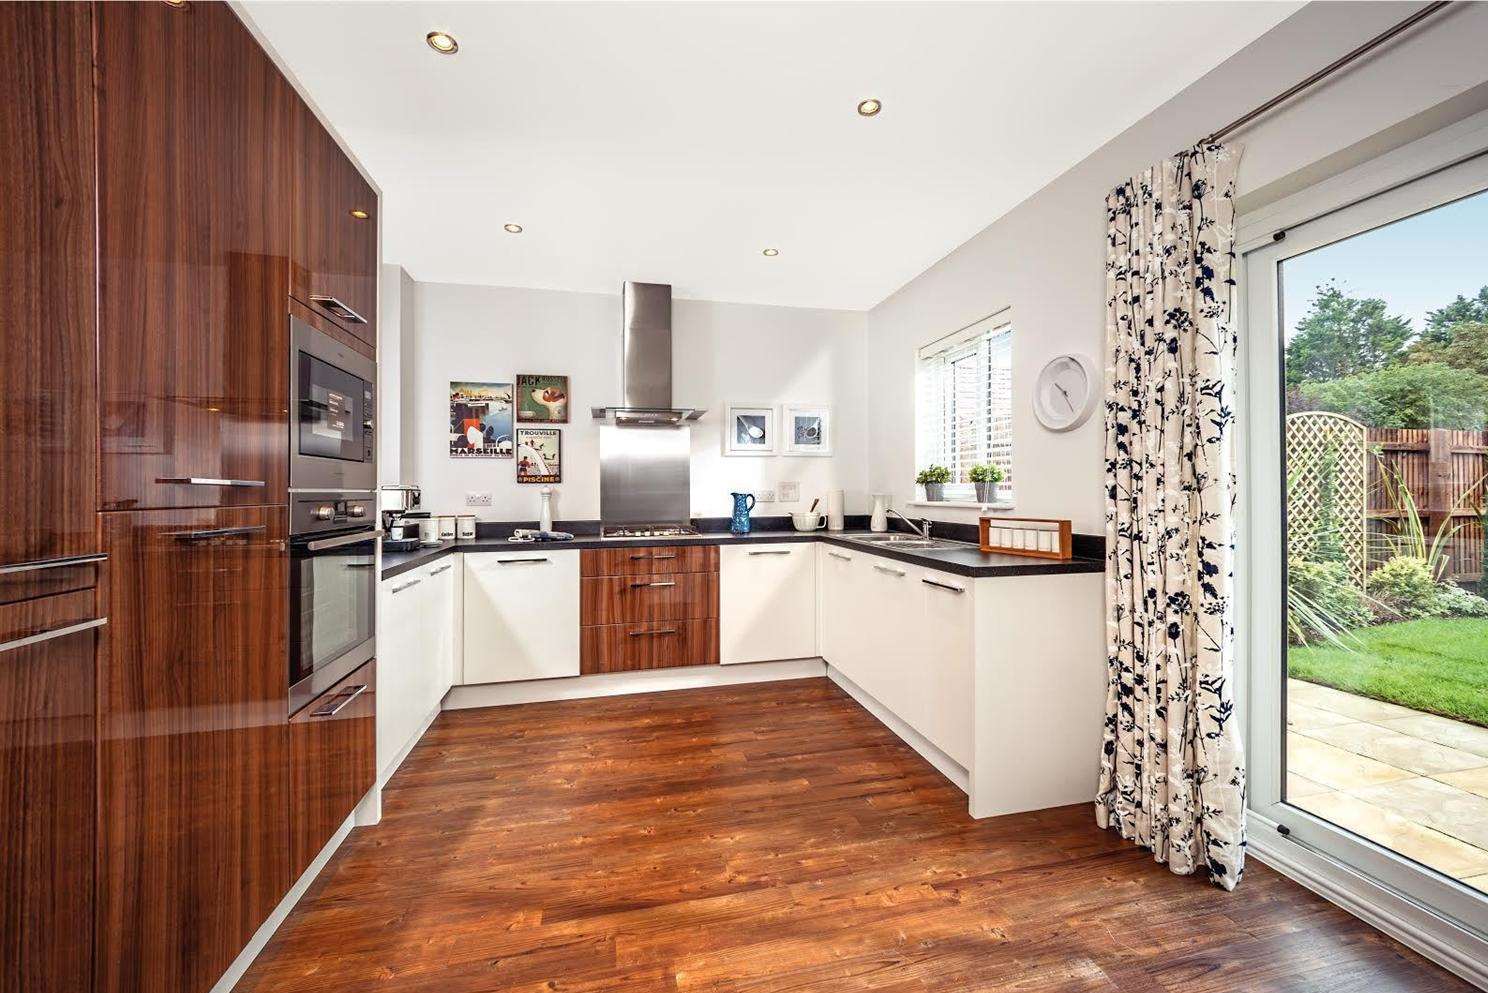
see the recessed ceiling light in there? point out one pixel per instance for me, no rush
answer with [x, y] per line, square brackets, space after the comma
[444, 44]
[358, 213]
[512, 228]
[869, 107]
[772, 252]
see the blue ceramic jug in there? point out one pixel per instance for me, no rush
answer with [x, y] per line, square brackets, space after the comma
[743, 504]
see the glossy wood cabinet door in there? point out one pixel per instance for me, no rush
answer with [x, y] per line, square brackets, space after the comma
[195, 129]
[47, 793]
[48, 399]
[335, 249]
[333, 761]
[194, 788]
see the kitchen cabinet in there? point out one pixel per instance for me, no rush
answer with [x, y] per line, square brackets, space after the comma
[943, 650]
[195, 170]
[333, 755]
[767, 602]
[655, 645]
[47, 765]
[194, 775]
[648, 607]
[521, 615]
[416, 655]
[335, 231]
[48, 394]
[839, 605]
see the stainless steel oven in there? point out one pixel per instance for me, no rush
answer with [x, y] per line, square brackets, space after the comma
[332, 590]
[332, 445]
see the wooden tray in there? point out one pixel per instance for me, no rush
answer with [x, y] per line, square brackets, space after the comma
[1011, 536]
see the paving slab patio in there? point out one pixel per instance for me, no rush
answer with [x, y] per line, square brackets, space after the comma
[1415, 783]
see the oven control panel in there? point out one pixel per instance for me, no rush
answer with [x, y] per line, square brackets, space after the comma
[327, 512]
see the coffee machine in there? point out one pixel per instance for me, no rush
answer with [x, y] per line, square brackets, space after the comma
[402, 518]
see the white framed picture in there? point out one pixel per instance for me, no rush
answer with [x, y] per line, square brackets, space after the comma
[748, 429]
[808, 429]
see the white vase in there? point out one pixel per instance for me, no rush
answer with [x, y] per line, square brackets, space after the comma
[880, 519]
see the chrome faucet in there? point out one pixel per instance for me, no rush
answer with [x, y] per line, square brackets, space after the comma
[922, 529]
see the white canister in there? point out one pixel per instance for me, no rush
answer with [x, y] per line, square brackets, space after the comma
[446, 528]
[465, 527]
[429, 531]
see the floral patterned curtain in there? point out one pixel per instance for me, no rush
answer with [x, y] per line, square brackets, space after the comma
[1172, 767]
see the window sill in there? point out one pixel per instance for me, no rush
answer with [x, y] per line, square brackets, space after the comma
[963, 504]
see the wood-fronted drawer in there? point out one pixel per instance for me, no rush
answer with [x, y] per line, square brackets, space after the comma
[678, 596]
[628, 647]
[333, 759]
[649, 560]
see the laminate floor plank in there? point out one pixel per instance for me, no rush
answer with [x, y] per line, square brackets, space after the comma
[770, 838]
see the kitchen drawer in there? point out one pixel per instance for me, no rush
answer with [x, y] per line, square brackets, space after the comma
[674, 596]
[657, 645]
[647, 560]
[333, 757]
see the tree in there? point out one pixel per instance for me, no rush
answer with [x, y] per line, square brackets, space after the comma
[1428, 395]
[1344, 336]
[1440, 324]
[1463, 346]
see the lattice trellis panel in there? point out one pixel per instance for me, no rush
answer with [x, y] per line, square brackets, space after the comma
[1327, 460]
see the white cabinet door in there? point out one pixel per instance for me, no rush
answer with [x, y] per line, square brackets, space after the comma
[521, 615]
[840, 616]
[766, 602]
[886, 631]
[942, 705]
[400, 664]
[440, 605]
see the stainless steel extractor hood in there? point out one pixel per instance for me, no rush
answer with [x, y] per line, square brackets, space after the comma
[646, 384]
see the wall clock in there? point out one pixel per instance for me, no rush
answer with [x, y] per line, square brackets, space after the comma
[1066, 392]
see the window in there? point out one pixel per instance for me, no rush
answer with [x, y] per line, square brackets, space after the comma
[964, 385]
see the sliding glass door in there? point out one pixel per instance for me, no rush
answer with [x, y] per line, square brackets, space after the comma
[1367, 388]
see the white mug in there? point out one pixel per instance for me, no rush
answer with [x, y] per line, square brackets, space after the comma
[804, 520]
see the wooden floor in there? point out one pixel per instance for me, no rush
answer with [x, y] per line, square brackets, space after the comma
[769, 837]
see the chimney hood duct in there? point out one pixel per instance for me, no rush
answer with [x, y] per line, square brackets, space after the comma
[646, 389]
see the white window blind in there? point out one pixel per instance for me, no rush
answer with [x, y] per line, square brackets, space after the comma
[964, 415]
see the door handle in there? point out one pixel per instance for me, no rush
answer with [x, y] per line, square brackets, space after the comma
[839, 555]
[944, 586]
[654, 557]
[443, 568]
[886, 569]
[211, 533]
[208, 481]
[639, 585]
[333, 707]
[62, 632]
[337, 307]
[641, 634]
[406, 586]
[6, 570]
[770, 551]
[322, 544]
[518, 561]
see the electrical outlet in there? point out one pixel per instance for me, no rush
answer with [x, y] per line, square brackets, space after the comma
[764, 496]
[790, 492]
[477, 499]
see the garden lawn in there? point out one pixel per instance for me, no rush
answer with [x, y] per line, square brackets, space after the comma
[1439, 665]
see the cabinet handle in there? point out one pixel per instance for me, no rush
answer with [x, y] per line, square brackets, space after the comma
[208, 535]
[208, 481]
[338, 308]
[839, 555]
[770, 551]
[407, 586]
[36, 639]
[322, 544]
[645, 584]
[654, 557]
[891, 572]
[518, 561]
[443, 568]
[944, 586]
[63, 563]
[640, 634]
[333, 707]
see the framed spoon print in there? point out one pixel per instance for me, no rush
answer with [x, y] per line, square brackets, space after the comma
[748, 429]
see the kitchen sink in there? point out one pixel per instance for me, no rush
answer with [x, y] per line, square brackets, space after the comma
[903, 541]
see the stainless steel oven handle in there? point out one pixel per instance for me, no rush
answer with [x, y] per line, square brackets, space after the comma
[208, 481]
[6, 570]
[337, 307]
[334, 707]
[62, 632]
[321, 544]
[211, 533]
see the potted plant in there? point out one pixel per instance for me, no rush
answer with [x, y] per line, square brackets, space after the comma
[985, 477]
[934, 478]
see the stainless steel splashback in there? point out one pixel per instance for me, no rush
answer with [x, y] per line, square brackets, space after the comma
[644, 475]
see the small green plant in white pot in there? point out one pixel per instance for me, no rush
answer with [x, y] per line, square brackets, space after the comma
[985, 478]
[934, 478]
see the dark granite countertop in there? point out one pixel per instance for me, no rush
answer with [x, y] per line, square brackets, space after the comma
[964, 560]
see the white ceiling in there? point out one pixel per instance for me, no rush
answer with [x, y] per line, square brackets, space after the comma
[673, 142]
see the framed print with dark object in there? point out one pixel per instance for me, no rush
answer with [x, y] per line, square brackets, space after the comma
[808, 429]
[542, 399]
[748, 429]
[539, 455]
[480, 420]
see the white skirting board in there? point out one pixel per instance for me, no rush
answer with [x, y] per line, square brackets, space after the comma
[944, 764]
[1434, 937]
[621, 683]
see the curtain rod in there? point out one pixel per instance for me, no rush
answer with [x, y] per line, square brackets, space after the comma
[1328, 70]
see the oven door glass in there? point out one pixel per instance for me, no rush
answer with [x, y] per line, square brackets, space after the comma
[332, 411]
[333, 596]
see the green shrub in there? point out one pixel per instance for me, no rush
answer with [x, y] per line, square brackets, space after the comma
[1405, 588]
[1322, 601]
[1453, 601]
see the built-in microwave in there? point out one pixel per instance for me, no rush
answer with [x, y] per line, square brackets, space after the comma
[332, 445]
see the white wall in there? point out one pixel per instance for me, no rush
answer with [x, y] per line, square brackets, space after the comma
[395, 381]
[1046, 257]
[722, 352]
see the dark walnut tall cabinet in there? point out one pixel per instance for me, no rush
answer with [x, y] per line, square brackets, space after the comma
[167, 203]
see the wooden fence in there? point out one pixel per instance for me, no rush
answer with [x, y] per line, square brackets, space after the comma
[1444, 470]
